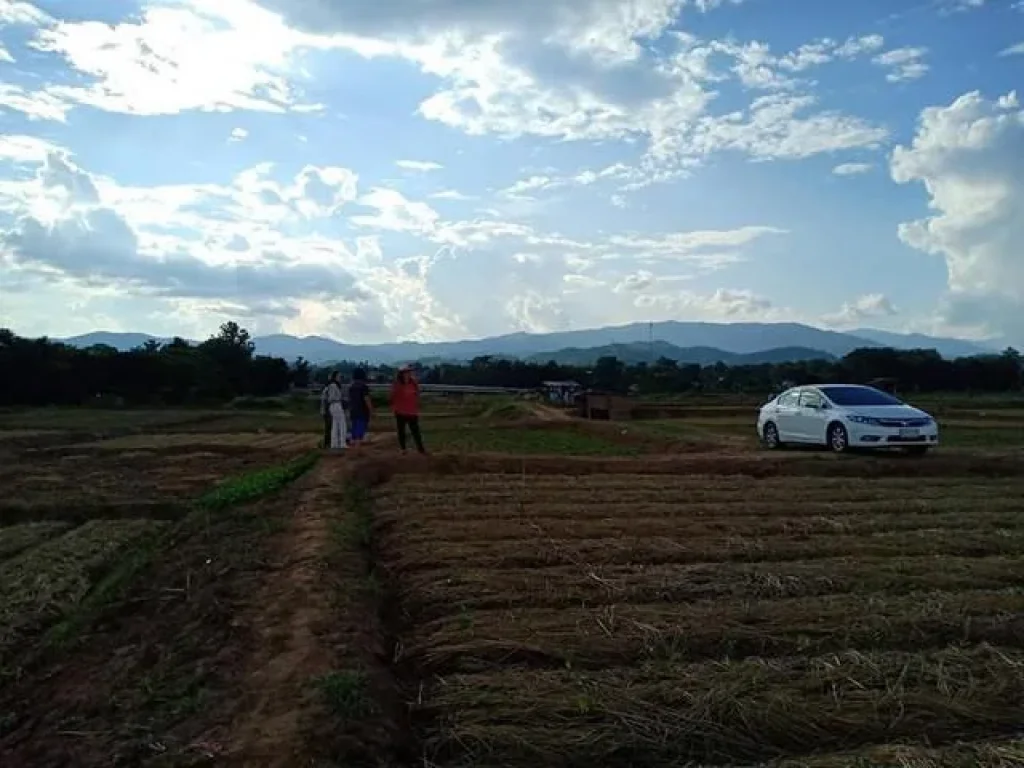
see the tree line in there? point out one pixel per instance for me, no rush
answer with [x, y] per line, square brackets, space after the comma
[225, 367]
[915, 370]
[45, 372]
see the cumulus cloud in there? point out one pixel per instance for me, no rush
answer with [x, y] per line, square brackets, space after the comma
[868, 307]
[159, 63]
[967, 157]
[626, 73]
[97, 245]
[69, 225]
[582, 69]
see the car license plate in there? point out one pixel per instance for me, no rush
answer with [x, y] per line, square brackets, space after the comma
[910, 433]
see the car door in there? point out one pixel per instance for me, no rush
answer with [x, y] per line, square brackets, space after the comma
[811, 417]
[786, 411]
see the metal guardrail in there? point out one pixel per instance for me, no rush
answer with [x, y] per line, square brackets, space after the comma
[458, 389]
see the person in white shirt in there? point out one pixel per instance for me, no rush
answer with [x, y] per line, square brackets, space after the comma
[331, 403]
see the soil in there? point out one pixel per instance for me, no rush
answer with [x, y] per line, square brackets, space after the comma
[163, 676]
[289, 616]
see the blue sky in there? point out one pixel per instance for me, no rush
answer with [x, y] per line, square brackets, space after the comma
[375, 170]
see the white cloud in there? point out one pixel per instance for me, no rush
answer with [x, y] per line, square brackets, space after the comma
[35, 105]
[724, 304]
[636, 281]
[967, 156]
[72, 227]
[867, 307]
[578, 70]
[422, 166]
[903, 64]
[852, 169]
[26, 149]
[1013, 50]
[16, 12]
[451, 194]
[161, 63]
[644, 100]
[396, 213]
[776, 127]
[534, 312]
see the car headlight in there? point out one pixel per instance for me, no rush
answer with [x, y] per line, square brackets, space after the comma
[863, 420]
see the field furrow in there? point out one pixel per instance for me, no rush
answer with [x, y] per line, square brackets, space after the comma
[435, 593]
[541, 551]
[725, 712]
[683, 522]
[612, 635]
[18, 538]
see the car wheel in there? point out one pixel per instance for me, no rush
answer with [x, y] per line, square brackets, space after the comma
[770, 436]
[917, 450]
[838, 439]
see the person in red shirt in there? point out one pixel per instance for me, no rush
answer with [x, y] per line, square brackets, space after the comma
[405, 403]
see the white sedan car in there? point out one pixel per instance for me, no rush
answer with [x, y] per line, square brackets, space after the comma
[843, 416]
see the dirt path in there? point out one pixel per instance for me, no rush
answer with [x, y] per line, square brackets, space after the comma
[546, 413]
[292, 617]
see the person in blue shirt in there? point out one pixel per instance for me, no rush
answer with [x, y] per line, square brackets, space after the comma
[360, 406]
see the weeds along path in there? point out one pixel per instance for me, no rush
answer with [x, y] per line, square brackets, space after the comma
[291, 616]
[313, 689]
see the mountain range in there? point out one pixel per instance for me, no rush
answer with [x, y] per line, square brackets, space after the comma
[683, 341]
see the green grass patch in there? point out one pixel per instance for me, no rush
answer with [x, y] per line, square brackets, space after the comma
[254, 485]
[347, 694]
[116, 581]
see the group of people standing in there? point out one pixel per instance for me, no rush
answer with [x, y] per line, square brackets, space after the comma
[347, 412]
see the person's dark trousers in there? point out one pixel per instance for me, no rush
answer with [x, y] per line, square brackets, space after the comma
[327, 430]
[413, 423]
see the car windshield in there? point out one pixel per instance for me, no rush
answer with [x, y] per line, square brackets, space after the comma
[859, 396]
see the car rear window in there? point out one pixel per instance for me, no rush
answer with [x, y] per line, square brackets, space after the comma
[859, 396]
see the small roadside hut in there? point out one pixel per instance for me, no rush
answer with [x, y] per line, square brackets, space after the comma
[605, 406]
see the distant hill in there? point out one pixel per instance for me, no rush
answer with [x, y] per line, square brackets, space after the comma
[945, 347]
[732, 338]
[641, 352]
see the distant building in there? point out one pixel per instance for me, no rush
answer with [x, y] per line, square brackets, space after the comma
[561, 392]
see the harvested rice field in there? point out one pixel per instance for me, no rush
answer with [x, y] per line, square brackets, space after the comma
[192, 588]
[792, 618]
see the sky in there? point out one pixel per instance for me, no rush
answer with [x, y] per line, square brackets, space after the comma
[383, 170]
